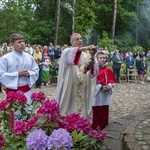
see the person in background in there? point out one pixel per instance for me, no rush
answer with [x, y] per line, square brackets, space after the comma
[29, 49]
[44, 50]
[138, 53]
[19, 70]
[117, 60]
[58, 52]
[102, 99]
[137, 64]
[142, 70]
[129, 63]
[76, 78]
[51, 51]
[37, 55]
[46, 67]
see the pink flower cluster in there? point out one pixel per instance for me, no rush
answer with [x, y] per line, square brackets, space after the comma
[40, 96]
[19, 127]
[76, 122]
[18, 97]
[97, 134]
[2, 142]
[3, 105]
[12, 97]
[50, 109]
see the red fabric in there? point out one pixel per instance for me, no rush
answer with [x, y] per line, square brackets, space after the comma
[24, 89]
[100, 116]
[77, 57]
[105, 76]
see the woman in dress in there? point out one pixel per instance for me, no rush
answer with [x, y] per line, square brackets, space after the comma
[142, 69]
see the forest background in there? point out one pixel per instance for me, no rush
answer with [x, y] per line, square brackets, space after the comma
[122, 24]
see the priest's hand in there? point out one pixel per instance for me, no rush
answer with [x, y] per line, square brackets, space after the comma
[90, 48]
[23, 73]
[93, 50]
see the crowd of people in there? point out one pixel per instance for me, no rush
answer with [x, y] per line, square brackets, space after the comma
[85, 81]
[132, 60]
[44, 57]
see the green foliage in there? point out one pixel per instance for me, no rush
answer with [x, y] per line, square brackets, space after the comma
[124, 41]
[81, 141]
[12, 141]
[93, 144]
[77, 137]
[15, 132]
[137, 48]
[36, 20]
[85, 17]
[54, 69]
[106, 42]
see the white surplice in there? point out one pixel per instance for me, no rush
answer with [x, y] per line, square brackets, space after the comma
[75, 90]
[11, 63]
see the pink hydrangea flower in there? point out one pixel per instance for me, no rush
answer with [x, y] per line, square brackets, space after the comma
[40, 96]
[20, 97]
[10, 97]
[97, 134]
[76, 122]
[19, 127]
[2, 142]
[50, 109]
[3, 105]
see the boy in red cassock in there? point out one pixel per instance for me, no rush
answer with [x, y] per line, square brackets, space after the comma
[102, 99]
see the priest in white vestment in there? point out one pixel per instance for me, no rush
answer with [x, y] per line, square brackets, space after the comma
[76, 78]
[18, 69]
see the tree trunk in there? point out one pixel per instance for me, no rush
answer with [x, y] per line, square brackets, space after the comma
[114, 21]
[57, 23]
[73, 15]
[136, 32]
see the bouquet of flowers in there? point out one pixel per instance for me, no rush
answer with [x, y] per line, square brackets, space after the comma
[43, 127]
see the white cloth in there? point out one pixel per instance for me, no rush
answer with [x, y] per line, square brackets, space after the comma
[11, 63]
[75, 90]
[102, 98]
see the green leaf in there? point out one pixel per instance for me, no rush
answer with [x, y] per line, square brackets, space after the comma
[41, 121]
[53, 124]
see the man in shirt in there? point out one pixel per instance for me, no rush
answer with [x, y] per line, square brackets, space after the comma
[129, 63]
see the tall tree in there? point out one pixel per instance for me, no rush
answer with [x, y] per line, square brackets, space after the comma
[114, 21]
[73, 15]
[57, 22]
[136, 32]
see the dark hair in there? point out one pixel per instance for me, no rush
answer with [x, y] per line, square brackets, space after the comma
[99, 53]
[15, 37]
